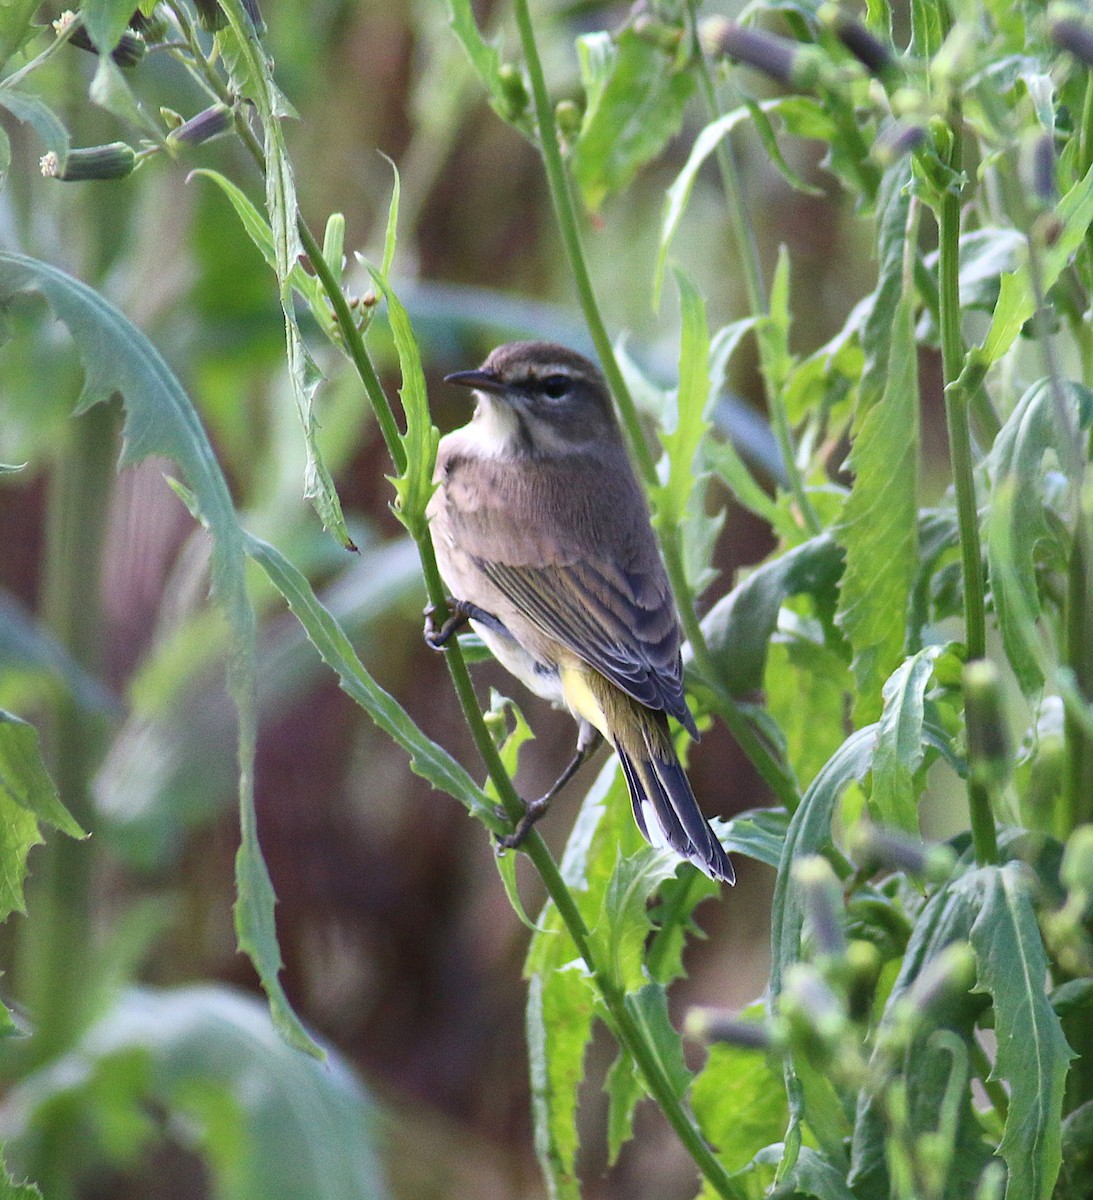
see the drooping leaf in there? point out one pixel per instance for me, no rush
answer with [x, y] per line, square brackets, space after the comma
[1017, 528]
[1032, 1054]
[629, 118]
[427, 759]
[105, 22]
[33, 111]
[160, 419]
[879, 524]
[252, 76]
[738, 628]
[486, 60]
[899, 750]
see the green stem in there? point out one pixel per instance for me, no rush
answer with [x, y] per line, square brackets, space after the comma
[960, 454]
[566, 213]
[758, 303]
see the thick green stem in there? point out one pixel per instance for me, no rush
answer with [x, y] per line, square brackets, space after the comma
[57, 954]
[960, 454]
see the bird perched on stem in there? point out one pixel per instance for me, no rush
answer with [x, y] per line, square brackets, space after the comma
[542, 534]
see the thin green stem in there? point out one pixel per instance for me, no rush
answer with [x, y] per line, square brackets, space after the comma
[566, 213]
[752, 270]
[960, 454]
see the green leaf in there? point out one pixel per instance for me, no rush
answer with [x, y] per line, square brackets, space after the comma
[1032, 1053]
[414, 486]
[111, 92]
[677, 196]
[252, 75]
[266, 1120]
[428, 760]
[899, 750]
[1017, 297]
[739, 1101]
[10, 1190]
[649, 1008]
[1017, 528]
[682, 436]
[486, 61]
[24, 778]
[559, 1026]
[814, 1174]
[772, 331]
[17, 26]
[105, 22]
[39, 116]
[629, 119]
[877, 334]
[879, 523]
[160, 420]
[738, 628]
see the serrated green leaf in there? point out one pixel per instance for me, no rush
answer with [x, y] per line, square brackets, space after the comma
[559, 1026]
[160, 420]
[252, 75]
[24, 778]
[879, 524]
[1016, 529]
[629, 119]
[19, 834]
[414, 486]
[1033, 1054]
[739, 627]
[10, 1190]
[624, 1089]
[625, 924]
[899, 750]
[390, 238]
[486, 61]
[893, 207]
[428, 760]
[649, 1009]
[682, 435]
[772, 331]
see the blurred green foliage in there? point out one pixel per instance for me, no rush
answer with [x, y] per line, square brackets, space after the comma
[883, 216]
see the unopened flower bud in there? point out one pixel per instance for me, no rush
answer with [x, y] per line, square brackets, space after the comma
[896, 140]
[784, 60]
[883, 846]
[823, 904]
[868, 49]
[811, 1008]
[567, 116]
[113, 161]
[988, 735]
[720, 1025]
[1037, 165]
[513, 90]
[948, 974]
[128, 52]
[204, 127]
[1074, 35]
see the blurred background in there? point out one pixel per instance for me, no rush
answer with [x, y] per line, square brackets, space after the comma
[401, 950]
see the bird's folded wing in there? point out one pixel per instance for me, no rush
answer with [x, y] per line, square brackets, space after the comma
[622, 624]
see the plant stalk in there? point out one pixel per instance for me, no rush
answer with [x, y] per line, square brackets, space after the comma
[960, 453]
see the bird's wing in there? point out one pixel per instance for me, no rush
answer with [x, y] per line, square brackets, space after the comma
[607, 621]
[590, 577]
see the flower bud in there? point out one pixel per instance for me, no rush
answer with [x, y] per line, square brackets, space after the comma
[567, 116]
[782, 59]
[868, 49]
[988, 735]
[948, 974]
[128, 52]
[1074, 35]
[207, 125]
[812, 1010]
[513, 91]
[1037, 167]
[883, 846]
[823, 904]
[896, 140]
[719, 1025]
[113, 161]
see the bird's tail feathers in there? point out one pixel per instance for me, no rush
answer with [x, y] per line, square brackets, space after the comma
[665, 807]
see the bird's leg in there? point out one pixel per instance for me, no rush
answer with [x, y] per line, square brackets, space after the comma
[460, 612]
[588, 742]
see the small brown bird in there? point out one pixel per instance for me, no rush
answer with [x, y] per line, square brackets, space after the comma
[542, 534]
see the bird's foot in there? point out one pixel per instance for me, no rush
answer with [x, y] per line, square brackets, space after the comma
[533, 812]
[438, 637]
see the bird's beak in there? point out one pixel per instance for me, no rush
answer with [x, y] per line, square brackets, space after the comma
[483, 381]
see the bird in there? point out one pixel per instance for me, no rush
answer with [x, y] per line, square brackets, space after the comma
[542, 534]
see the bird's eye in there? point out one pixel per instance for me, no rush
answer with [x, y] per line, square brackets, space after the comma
[556, 386]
